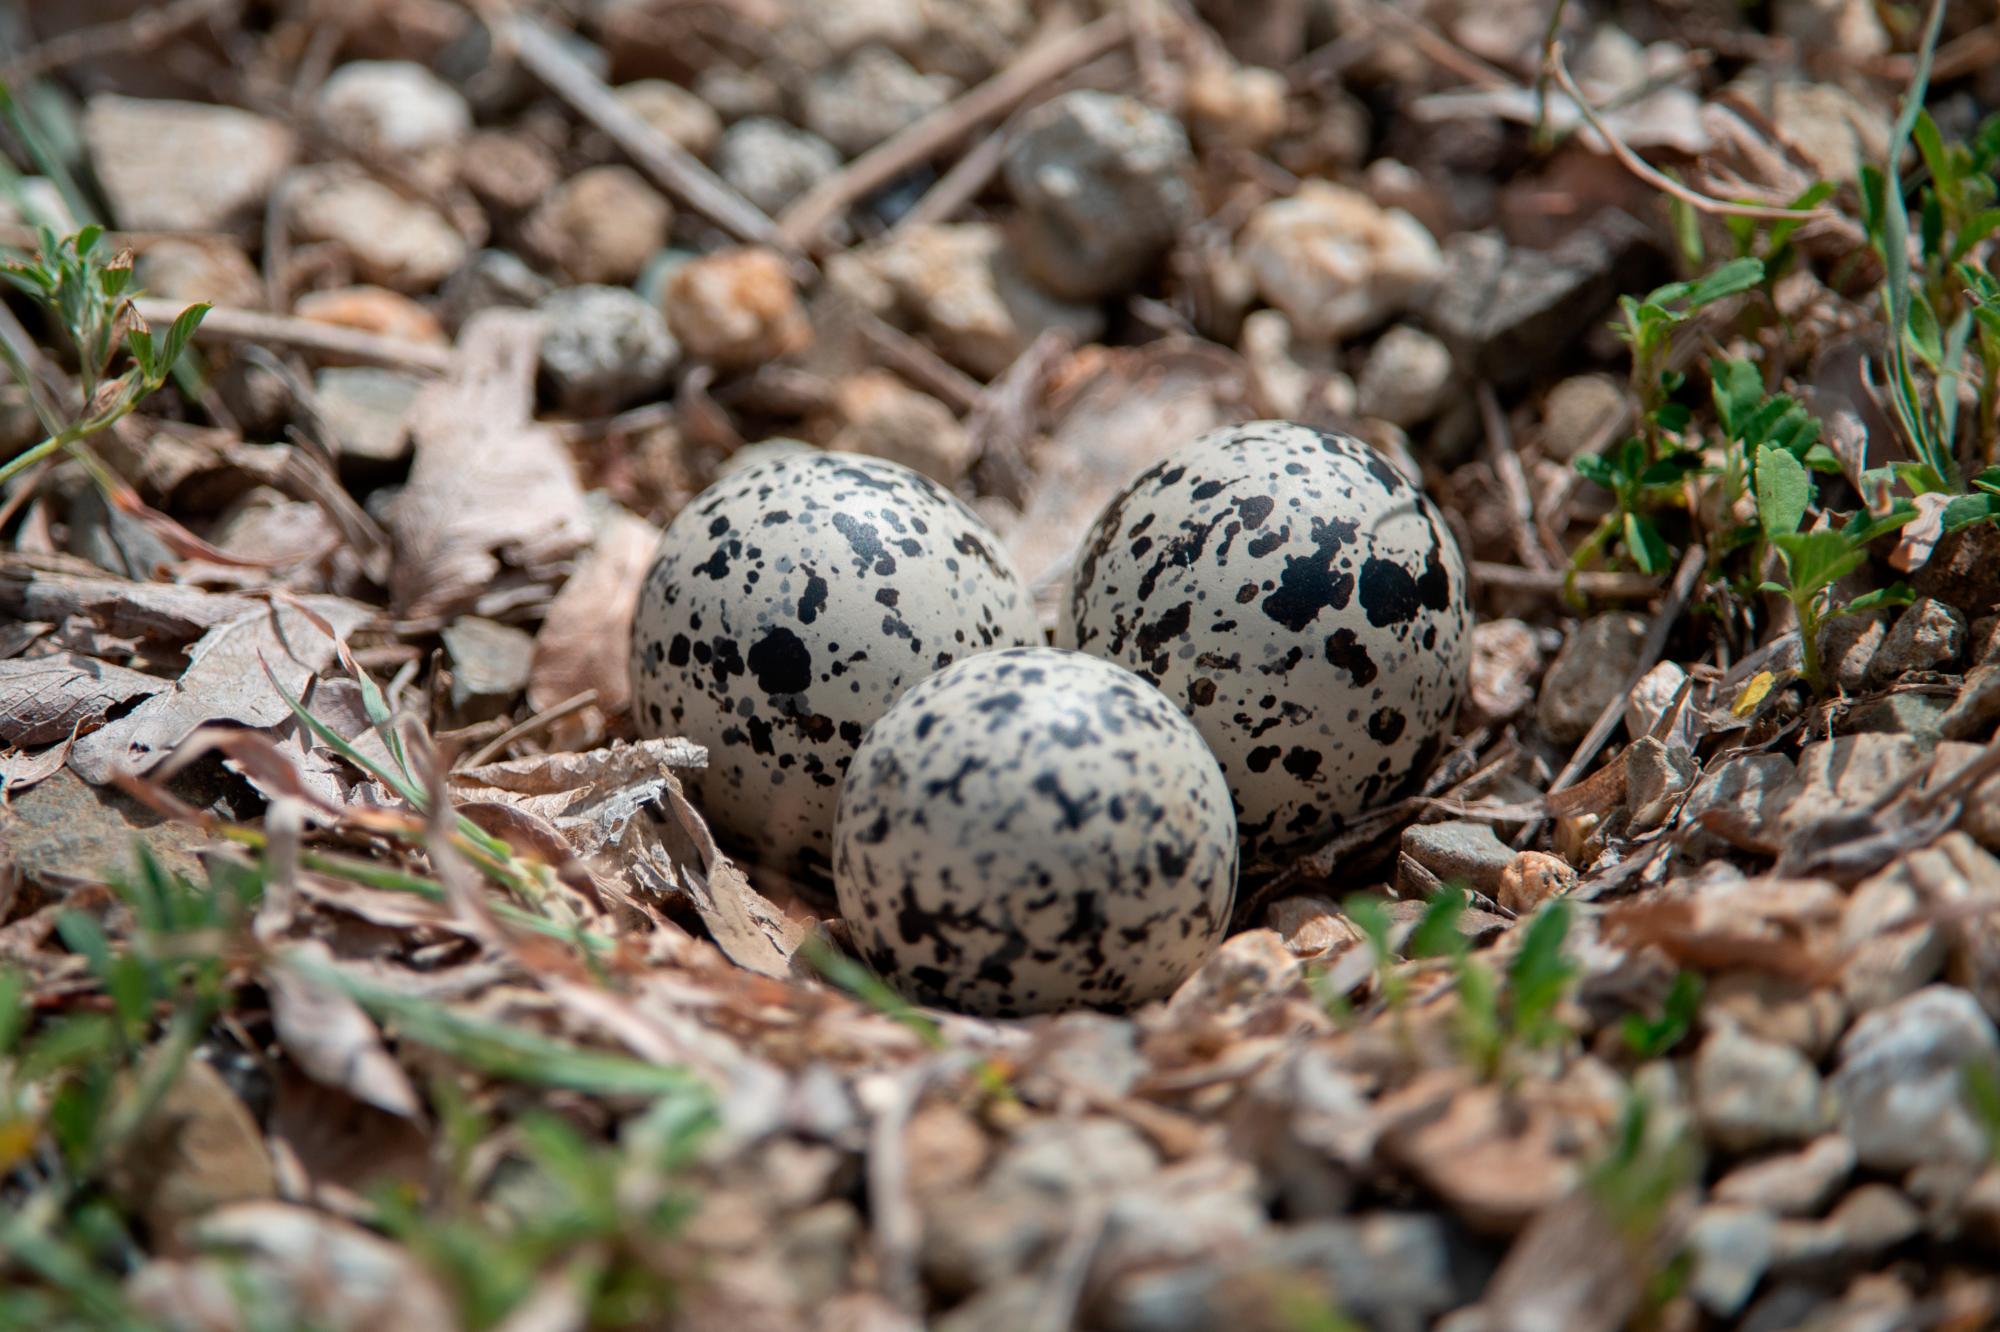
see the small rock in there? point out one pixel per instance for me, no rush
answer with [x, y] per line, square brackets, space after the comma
[1900, 1080]
[1797, 1183]
[489, 280]
[601, 225]
[603, 346]
[1977, 706]
[1928, 636]
[1506, 658]
[1651, 698]
[1918, 716]
[1101, 181]
[1964, 570]
[395, 109]
[945, 1150]
[1335, 261]
[885, 418]
[1780, 1009]
[1297, 378]
[1835, 131]
[1406, 377]
[1247, 972]
[675, 113]
[1847, 644]
[862, 100]
[395, 242]
[1881, 964]
[1731, 1247]
[1093, 1052]
[736, 93]
[967, 39]
[1871, 1219]
[1311, 926]
[1589, 674]
[509, 172]
[371, 310]
[1459, 850]
[770, 163]
[1750, 1093]
[1532, 878]
[1193, 1210]
[199, 269]
[1850, 27]
[736, 308]
[365, 408]
[1740, 798]
[1656, 776]
[1581, 414]
[489, 666]
[183, 166]
[1240, 105]
[1849, 772]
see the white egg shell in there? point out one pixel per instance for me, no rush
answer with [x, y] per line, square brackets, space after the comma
[1302, 600]
[1035, 829]
[789, 605]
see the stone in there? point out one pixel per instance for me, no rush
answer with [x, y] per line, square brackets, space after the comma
[1406, 378]
[1835, 131]
[1248, 972]
[364, 408]
[1092, 1052]
[885, 418]
[1799, 1183]
[736, 93]
[1850, 27]
[771, 163]
[62, 834]
[1977, 706]
[857, 102]
[394, 109]
[1880, 964]
[183, 166]
[193, 269]
[1847, 644]
[1582, 415]
[1101, 182]
[961, 286]
[1651, 698]
[1848, 773]
[1928, 636]
[509, 171]
[1657, 775]
[1506, 659]
[395, 242]
[1243, 106]
[601, 225]
[198, 1149]
[676, 114]
[489, 666]
[371, 310]
[1782, 1009]
[491, 279]
[1731, 1247]
[1868, 1221]
[1964, 570]
[603, 347]
[1917, 715]
[1201, 1208]
[1504, 310]
[1750, 1093]
[1899, 1080]
[1532, 878]
[1311, 926]
[1589, 674]
[968, 39]
[1459, 850]
[1336, 262]
[736, 308]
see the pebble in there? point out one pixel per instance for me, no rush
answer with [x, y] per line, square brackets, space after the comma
[770, 163]
[1799, 1183]
[395, 242]
[489, 666]
[1656, 776]
[1651, 698]
[199, 269]
[1750, 1093]
[961, 285]
[1336, 262]
[1240, 105]
[1928, 636]
[862, 100]
[1872, 1218]
[601, 225]
[1581, 414]
[1879, 964]
[491, 279]
[371, 310]
[1848, 773]
[510, 172]
[676, 114]
[883, 417]
[1532, 878]
[1589, 674]
[968, 39]
[1900, 1080]
[395, 109]
[1835, 131]
[1847, 644]
[364, 408]
[183, 166]
[603, 347]
[1459, 850]
[1790, 1012]
[736, 308]
[1977, 706]
[1506, 659]
[1406, 377]
[1101, 179]
[1739, 800]
[1731, 1247]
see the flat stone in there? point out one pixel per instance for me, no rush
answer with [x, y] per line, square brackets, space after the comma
[1868, 1221]
[1589, 674]
[1335, 261]
[1506, 658]
[63, 833]
[1806, 1017]
[1919, 716]
[1407, 377]
[883, 417]
[1459, 850]
[1732, 1248]
[1750, 1093]
[1847, 644]
[603, 347]
[183, 166]
[1972, 714]
[1964, 570]
[364, 408]
[1929, 635]
[1848, 773]
[1799, 1183]
[1899, 1080]
[1651, 698]
[678, 115]
[601, 225]
[491, 279]
[771, 163]
[1656, 776]
[394, 241]
[1881, 964]
[1581, 413]
[396, 109]
[858, 101]
[489, 666]
[736, 307]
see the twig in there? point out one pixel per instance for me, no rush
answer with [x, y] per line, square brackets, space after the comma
[1004, 417]
[958, 186]
[141, 32]
[1659, 180]
[677, 171]
[574, 703]
[806, 217]
[1513, 480]
[918, 363]
[1442, 53]
[1549, 582]
[226, 324]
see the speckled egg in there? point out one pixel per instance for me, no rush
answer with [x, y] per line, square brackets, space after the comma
[1031, 830]
[789, 605]
[1305, 604]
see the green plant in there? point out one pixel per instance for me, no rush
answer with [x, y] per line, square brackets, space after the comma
[1494, 1018]
[1979, 1085]
[1654, 1038]
[1372, 919]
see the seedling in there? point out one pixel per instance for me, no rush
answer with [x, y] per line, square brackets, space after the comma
[1654, 1038]
[1493, 1019]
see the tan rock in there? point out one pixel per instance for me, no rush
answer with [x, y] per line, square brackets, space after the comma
[885, 418]
[736, 308]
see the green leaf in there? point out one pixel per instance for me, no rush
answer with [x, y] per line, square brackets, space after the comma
[1643, 542]
[1594, 468]
[1738, 390]
[1672, 416]
[1653, 1038]
[139, 342]
[184, 325]
[1810, 198]
[1896, 594]
[1818, 559]
[1975, 231]
[1923, 336]
[1966, 510]
[1437, 933]
[1783, 491]
[1864, 526]
[1540, 975]
[1738, 275]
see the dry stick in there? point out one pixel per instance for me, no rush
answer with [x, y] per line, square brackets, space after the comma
[804, 220]
[1513, 480]
[919, 364]
[574, 703]
[1443, 53]
[225, 324]
[676, 170]
[957, 187]
[127, 36]
[1645, 171]
[1549, 582]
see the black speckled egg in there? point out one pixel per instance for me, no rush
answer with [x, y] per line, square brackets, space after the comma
[1305, 604]
[789, 605]
[1031, 830]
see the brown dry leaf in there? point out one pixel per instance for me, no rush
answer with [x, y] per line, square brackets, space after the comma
[197, 1150]
[20, 769]
[584, 642]
[591, 798]
[329, 1036]
[224, 682]
[1121, 412]
[57, 590]
[751, 929]
[337, 1152]
[44, 699]
[489, 490]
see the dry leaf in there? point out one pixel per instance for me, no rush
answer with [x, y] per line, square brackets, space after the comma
[197, 1150]
[489, 490]
[592, 797]
[585, 638]
[329, 1036]
[43, 699]
[163, 612]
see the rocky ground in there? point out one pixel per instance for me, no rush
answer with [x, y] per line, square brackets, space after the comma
[1669, 1002]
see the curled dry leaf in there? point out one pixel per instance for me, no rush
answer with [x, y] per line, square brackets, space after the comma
[585, 638]
[489, 489]
[43, 699]
[592, 797]
[161, 612]
[332, 1039]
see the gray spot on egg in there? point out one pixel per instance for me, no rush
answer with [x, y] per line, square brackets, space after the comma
[1035, 829]
[1306, 604]
[789, 605]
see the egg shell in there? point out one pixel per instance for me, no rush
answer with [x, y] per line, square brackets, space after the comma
[1303, 601]
[789, 605]
[1035, 829]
